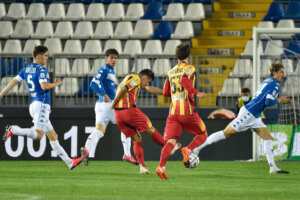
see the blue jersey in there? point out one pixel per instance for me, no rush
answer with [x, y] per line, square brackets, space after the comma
[105, 82]
[35, 74]
[266, 95]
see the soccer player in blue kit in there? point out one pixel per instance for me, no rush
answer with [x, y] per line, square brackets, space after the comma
[37, 79]
[105, 84]
[249, 116]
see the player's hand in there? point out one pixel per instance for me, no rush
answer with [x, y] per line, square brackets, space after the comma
[106, 98]
[284, 100]
[58, 81]
[201, 95]
[112, 106]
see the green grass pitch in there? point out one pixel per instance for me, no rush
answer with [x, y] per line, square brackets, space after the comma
[34, 180]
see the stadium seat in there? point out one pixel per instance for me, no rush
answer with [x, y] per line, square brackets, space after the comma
[143, 29]
[68, 87]
[284, 23]
[248, 51]
[2, 10]
[92, 47]
[275, 12]
[140, 64]
[6, 29]
[115, 12]
[16, 11]
[292, 11]
[36, 12]
[296, 73]
[242, 68]
[12, 47]
[86, 91]
[95, 12]
[291, 86]
[134, 12]
[96, 65]
[75, 12]
[194, 12]
[155, 10]
[153, 47]
[164, 30]
[122, 67]
[23, 89]
[184, 30]
[113, 44]
[231, 87]
[80, 67]
[62, 67]
[84, 30]
[73, 47]
[293, 48]
[104, 30]
[4, 82]
[161, 67]
[170, 47]
[29, 45]
[54, 45]
[265, 24]
[133, 47]
[56, 12]
[248, 84]
[63, 30]
[23, 29]
[274, 48]
[123, 30]
[44, 29]
[288, 66]
[175, 12]
[265, 67]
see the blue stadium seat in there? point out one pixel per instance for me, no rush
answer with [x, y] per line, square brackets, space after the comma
[103, 1]
[164, 30]
[86, 91]
[293, 46]
[5, 67]
[123, 1]
[18, 64]
[183, 1]
[43, 1]
[292, 11]
[296, 36]
[163, 1]
[142, 1]
[83, 1]
[155, 10]
[202, 1]
[275, 12]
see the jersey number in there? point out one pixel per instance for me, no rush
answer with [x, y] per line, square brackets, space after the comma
[31, 85]
[260, 89]
[174, 87]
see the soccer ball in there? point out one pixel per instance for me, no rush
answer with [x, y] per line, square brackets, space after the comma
[194, 160]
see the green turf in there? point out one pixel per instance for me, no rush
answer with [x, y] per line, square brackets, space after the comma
[33, 180]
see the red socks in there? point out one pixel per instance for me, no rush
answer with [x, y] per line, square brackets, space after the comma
[198, 140]
[139, 152]
[165, 153]
[158, 138]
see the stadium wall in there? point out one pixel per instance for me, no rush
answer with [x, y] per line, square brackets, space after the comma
[74, 125]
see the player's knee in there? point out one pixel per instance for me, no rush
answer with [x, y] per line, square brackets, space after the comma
[40, 135]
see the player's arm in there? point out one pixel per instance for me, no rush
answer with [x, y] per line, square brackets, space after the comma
[153, 90]
[97, 86]
[167, 88]
[48, 86]
[186, 81]
[8, 87]
[271, 98]
[119, 96]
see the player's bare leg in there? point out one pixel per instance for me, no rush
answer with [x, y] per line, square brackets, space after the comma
[59, 150]
[265, 134]
[139, 153]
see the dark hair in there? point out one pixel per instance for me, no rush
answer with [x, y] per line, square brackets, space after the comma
[245, 90]
[111, 52]
[182, 51]
[275, 68]
[147, 72]
[39, 50]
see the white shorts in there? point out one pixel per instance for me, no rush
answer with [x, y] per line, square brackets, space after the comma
[104, 114]
[40, 113]
[246, 120]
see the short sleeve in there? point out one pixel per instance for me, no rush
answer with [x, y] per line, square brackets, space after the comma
[21, 75]
[42, 75]
[132, 82]
[189, 71]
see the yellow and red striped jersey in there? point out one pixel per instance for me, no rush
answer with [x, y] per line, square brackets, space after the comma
[182, 97]
[132, 83]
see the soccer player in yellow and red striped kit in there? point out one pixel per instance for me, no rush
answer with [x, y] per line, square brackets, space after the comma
[130, 119]
[182, 114]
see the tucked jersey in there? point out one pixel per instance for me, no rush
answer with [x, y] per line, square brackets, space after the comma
[35, 74]
[106, 82]
[132, 83]
[182, 99]
[267, 91]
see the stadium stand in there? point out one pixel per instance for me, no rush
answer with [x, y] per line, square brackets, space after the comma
[164, 30]
[143, 29]
[134, 12]
[155, 10]
[92, 47]
[95, 12]
[6, 29]
[56, 12]
[175, 12]
[36, 12]
[292, 11]
[275, 12]
[16, 11]
[104, 30]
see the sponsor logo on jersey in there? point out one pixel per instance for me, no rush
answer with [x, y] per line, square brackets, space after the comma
[42, 75]
[132, 83]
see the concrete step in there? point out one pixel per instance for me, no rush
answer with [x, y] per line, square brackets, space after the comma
[236, 24]
[218, 41]
[254, 6]
[242, 15]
